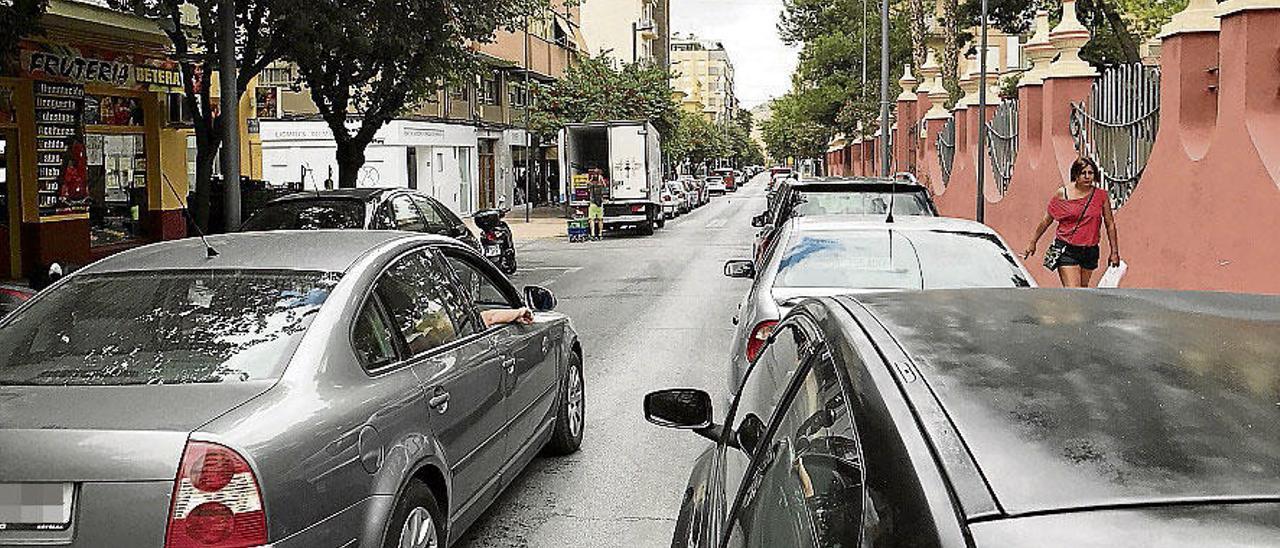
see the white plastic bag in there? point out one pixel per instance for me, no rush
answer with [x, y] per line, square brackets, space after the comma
[1111, 278]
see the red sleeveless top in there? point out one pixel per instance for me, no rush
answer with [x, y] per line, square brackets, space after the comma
[1070, 213]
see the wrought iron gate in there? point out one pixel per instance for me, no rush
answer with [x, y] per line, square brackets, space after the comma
[1003, 134]
[947, 149]
[1116, 126]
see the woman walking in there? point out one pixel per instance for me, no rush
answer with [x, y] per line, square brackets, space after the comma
[1080, 209]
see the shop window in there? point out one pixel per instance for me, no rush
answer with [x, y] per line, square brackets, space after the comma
[109, 110]
[117, 187]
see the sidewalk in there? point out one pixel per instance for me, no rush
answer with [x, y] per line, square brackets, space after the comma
[538, 228]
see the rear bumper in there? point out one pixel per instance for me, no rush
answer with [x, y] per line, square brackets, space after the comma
[625, 219]
[360, 524]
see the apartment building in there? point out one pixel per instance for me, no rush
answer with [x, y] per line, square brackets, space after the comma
[703, 71]
[628, 30]
[466, 145]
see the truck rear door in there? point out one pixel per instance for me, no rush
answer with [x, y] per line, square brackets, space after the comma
[627, 166]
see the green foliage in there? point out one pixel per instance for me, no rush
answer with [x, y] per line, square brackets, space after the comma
[828, 86]
[791, 133]
[694, 140]
[596, 89]
[18, 19]
[376, 58]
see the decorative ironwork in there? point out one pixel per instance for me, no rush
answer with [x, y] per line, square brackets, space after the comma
[1002, 133]
[1116, 126]
[947, 149]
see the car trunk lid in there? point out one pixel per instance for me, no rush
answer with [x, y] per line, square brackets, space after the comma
[106, 433]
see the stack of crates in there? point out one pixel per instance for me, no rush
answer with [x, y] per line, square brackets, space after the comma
[578, 230]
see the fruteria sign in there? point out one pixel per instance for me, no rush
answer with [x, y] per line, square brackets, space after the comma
[89, 65]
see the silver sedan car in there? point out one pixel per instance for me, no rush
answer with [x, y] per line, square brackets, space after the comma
[292, 389]
[827, 255]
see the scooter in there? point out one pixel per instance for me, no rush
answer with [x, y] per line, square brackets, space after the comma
[496, 240]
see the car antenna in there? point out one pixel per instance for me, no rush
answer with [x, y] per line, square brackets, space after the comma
[893, 193]
[209, 251]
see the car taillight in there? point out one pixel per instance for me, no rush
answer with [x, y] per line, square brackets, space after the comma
[490, 236]
[638, 208]
[216, 501]
[759, 336]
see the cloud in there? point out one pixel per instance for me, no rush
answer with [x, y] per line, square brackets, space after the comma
[749, 31]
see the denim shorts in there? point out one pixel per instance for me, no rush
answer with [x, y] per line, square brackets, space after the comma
[1085, 257]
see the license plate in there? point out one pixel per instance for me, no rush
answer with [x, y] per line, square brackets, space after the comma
[492, 252]
[35, 506]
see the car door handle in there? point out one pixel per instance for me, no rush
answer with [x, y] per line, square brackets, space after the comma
[439, 401]
[509, 363]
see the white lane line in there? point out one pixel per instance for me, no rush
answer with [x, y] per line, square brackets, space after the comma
[718, 223]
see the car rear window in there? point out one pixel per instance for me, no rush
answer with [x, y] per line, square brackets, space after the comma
[883, 259]
[162, 328]
[860, 203]
[308, 214]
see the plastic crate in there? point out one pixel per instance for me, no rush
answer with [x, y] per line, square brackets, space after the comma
[578, 230]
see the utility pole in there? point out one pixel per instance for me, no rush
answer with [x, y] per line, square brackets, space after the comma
[884, 88]
[982, 119]
[528, 137]
[229, 102]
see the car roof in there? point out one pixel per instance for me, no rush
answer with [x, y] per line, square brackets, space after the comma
[309, 250]
[843, 223]
[837, 184]
[1077, 399]
[365, 194]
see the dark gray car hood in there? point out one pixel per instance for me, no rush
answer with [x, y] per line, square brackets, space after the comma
[106, 433]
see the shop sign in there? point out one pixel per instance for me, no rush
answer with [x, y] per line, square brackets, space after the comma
[268, 101]
[61, 160]
[88, 65]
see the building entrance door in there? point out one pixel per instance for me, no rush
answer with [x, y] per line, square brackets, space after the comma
[8, 198]
[488, 174]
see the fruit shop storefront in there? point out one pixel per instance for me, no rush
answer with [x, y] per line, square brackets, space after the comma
[82, 118]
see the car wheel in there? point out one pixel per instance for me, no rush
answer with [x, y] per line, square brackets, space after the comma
[509, 265]
[416, 521]
[571, 415]
[662, 221]
[646, 228]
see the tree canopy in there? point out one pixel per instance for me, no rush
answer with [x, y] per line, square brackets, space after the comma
[790, 133]
[18, 19]
[376, 58]
[598, 89]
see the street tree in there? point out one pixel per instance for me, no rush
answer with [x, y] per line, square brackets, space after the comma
[599, 89]
[695, 140]
[197, 46]
[790, 133]
[371, 60]
[18, 19]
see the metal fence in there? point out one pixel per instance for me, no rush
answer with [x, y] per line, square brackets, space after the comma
[947, 149]
[1116, 126]
[1003, 144]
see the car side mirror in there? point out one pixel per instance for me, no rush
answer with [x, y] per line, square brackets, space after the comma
[740, 269]
[681, 408]
[539, 299]
[758, 221]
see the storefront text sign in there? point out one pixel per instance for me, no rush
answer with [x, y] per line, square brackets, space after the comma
[86, 65]
[61, 166]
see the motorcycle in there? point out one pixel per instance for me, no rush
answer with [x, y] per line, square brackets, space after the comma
[496, 240]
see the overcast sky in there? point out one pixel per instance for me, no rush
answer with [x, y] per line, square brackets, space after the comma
[749, 31]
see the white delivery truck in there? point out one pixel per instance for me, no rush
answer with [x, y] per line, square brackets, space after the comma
[629, 156]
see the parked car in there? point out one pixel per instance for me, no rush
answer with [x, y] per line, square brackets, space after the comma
[776, 174]
[995, 418]
[297, 389]
[697, 192]
[838, 254]
[715, 185]
[361, 208]
[840, 196]
[12, 296]
[674, 202]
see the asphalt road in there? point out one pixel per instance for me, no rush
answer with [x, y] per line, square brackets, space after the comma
[652, 312]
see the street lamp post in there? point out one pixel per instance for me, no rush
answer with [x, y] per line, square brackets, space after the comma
[982, 119]
[230, 105]
[884, 88]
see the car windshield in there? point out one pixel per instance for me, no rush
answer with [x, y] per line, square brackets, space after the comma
[308, 214]
[162, 328]
[885, 259]
[860, 203]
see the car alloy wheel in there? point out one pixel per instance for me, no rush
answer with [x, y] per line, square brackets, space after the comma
[419, 530]
[574, 396]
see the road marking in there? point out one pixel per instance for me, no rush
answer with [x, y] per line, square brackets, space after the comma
[718, 223]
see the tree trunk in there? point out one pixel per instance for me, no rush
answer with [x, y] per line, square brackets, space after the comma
[350, 158]
[1128, 44]
[951, 45]
[919, 51]
[206, 153]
